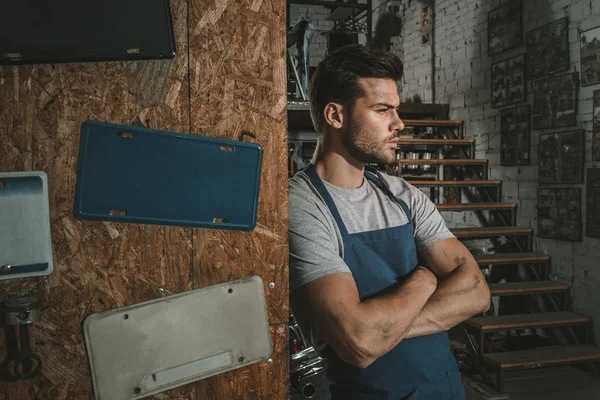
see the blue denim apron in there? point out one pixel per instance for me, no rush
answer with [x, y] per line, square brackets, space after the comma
[417, 368]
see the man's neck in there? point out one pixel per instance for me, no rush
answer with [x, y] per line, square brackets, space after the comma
[338, 167]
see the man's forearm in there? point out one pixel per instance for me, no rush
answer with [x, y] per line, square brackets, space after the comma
[458, 297]
[385, 320]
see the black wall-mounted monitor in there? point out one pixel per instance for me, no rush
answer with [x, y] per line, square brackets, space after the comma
[51, 31]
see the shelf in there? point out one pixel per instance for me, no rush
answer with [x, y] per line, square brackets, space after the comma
[436, 142]
[434, 123]
[339, 4]
[474, 183]
[423, 110]
[341, 13]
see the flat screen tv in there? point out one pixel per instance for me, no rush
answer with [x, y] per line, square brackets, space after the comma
[51, 31]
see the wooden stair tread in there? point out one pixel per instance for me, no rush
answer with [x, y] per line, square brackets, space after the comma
[542, 356]
[476, 206]
[432, 122]
[441, 161]
[509, 258]
[465, 142]
[466, 233]
[455, 183]
[527, 321]
[530, 287]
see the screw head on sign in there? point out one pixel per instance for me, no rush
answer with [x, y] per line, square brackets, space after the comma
[271, 285]
[269, 361]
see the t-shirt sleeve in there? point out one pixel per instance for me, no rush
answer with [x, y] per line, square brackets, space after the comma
[314, 251]
[430, 227]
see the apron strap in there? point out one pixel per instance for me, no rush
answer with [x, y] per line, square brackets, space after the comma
[371, 174]
[309, 170]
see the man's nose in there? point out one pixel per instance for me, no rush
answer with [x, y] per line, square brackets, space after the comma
[397, 124]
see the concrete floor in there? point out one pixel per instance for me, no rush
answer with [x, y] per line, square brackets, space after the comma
[557, 383]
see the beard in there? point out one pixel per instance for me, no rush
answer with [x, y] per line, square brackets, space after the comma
[364, 149]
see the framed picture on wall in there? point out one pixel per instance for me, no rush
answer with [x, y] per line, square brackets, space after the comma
[590, 57]
[508, 82]
[592, 208]
[547, 49]
[555, 101]
[559, 214]
[596, 126]
[505, 27]
[426, 11]
[561, 157]
[514, 136]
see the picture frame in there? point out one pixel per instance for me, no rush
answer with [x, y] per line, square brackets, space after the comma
[559, 214]
[547, 49]
[555, 101]
[592, 208]
[561, 157]
[508, 82]
[426, 14]
[590, 57]
[596, 126]
[505, 27]
[515, 136]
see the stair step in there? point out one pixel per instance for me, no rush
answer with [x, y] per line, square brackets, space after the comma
[476, 206]
[436, 142]
[526, 321]
[480, 233]
[530, 287]
[442, 161]
[510, 258]
[454, 183]
[542, 357]
[433, 123]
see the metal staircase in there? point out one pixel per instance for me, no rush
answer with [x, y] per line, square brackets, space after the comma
[529, 302]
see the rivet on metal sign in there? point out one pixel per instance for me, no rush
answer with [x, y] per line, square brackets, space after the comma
[271, 285]
[161, 290]
[269, 361]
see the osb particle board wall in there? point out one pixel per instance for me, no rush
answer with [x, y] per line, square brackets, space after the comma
[228, 76]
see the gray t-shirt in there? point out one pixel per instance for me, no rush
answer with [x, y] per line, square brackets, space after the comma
[316, 248]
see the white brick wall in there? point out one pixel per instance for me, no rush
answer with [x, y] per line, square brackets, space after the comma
[463, 80]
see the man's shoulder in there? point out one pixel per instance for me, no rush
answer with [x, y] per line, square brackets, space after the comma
[396, 184]
[402, 189]
[301, 190]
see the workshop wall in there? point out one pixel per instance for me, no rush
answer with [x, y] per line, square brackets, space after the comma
[318, 16]
[230, 78]
[463, 79]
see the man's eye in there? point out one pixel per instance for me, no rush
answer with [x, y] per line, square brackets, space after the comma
[383, 110]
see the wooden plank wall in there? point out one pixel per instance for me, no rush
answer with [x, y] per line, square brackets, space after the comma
[228, 76]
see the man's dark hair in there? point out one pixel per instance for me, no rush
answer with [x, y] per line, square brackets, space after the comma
[336, 77]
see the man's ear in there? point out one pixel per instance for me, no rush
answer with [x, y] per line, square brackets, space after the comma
[334, 115]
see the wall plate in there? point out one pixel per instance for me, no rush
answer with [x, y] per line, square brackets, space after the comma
[25, 237]
[147, 348]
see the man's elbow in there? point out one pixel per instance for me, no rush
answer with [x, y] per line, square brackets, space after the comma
[361, 360]
[484, 298]
[360, 351]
